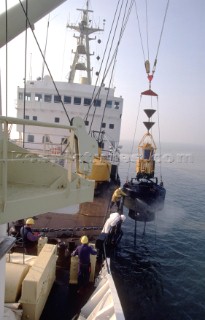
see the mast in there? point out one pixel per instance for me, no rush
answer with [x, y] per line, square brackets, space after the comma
[81, 61]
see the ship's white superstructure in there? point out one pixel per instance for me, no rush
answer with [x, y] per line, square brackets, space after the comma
[44, 104]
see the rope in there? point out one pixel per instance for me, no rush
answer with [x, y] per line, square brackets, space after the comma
[160, 163]
[25, 70]
[102, 63]
[139, 31]
[6, 7]
[147, 30]
[131, 152]
[113, 60]
[106, 65]
[147, 35]
[165, 15]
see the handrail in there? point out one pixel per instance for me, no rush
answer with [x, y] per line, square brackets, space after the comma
[13, 120]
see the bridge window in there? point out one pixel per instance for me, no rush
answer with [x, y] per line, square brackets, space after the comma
[57, 120]
[77, 100]
[57, 99]
[28, 96]
[117, 105]
[38, 97]
[111, 126]
[109, 104]
[103, 125]
[97, 103]
[20, 95]
[87, 101]
[86, 123]
[35, 118]
[30, 138]
[45, 139]
[48, 98]
[67, 99]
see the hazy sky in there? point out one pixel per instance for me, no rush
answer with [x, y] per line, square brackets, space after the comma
[179, 78]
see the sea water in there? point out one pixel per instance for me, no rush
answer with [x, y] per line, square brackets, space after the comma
[160, 274]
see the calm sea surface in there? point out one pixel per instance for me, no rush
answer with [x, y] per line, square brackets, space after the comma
[161, 274]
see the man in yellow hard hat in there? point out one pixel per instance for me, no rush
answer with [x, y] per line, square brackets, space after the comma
[30, 241]
[116, 197]
[84, 251]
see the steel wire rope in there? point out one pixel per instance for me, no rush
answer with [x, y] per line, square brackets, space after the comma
[103, 78]
[155, 61]
[6, 8]
[124, 22]
[113, 56]
[30, 25]
[102, 61]
[140, 33]
[159, 137]
[160, 37]
[133, 141]
[147, 34]
[162, 29]
[113, 59]
[25, 71]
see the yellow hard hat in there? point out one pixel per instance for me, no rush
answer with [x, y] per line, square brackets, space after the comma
[84, 239]
[30, 221]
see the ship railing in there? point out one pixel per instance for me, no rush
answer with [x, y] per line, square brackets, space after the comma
[113, 158]
[43, 149]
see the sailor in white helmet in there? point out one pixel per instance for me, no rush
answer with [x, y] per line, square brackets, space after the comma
[112, 221]
[111, 233]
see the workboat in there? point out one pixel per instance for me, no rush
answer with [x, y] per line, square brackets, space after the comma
[62, 172]
[145, 194]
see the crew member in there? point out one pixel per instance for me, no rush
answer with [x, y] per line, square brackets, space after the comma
[116, 197]
[112, 228]
[84, 251]
[30, 241]
[111, 234]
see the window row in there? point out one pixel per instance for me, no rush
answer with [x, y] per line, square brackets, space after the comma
[45, 139]
[68, 100]
[57, 120]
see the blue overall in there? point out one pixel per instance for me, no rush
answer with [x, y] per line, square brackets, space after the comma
[83, 251]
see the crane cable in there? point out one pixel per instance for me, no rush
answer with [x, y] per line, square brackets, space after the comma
[147, 63]
[150, 76]
[112, 61]
[92, 99]
[94, 96]
[132, 147]
[124, 22]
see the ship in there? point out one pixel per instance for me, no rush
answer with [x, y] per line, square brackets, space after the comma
[145, 194]
[62, 172]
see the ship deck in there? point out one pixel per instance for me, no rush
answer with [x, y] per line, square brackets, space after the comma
[88, 219]
[64, 302]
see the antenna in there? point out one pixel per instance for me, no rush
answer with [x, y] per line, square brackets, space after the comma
[44, 54]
